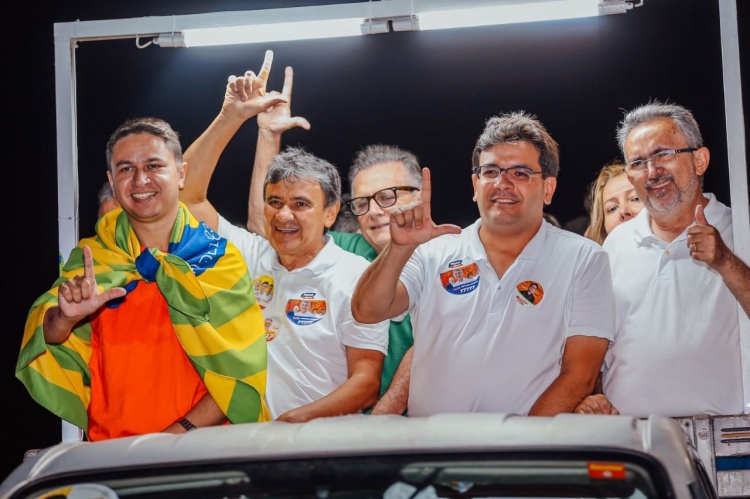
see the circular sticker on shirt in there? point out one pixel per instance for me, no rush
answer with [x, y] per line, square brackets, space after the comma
[529, 292]
[305, 311]
[460, 279]
[272, 328]
[263, 288]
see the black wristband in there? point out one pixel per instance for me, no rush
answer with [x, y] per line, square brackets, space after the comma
[185, 423]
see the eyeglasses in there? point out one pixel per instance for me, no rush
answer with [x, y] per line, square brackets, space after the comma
[514, 174]
[385, 198]
[659, 160]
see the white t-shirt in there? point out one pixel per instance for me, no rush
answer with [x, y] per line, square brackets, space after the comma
[481, 346]
[676, 349]
[306, 352]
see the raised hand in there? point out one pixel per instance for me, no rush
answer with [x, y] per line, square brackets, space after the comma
[79, 297]
[412, 225]
[278, 118]
[246, 96]
[705, 242]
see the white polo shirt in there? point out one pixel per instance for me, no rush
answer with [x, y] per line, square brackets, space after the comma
[676, 349]
[482, 346]
[306, 352]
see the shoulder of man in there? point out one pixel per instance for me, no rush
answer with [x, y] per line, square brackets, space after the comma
[354, 243]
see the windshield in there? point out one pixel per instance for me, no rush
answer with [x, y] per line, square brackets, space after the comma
[468, 475]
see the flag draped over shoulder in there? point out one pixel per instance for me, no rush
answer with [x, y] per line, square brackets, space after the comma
[208, 290]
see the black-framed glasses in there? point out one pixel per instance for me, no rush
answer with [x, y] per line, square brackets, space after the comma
[659, 160]
[384, 197]
[515, 174]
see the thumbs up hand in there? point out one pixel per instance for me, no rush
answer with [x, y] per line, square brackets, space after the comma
[705, 243]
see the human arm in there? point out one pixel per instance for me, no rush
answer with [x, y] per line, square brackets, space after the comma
[581, 361]
[357, 393]
[706, 245]
[244, 97]
[205, 413]
[272, 123]
[78, 298]
[380, 295]
[396, 398]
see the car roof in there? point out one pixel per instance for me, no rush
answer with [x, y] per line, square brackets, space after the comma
[656, 436]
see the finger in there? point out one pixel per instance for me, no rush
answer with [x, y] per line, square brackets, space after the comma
[245, 86]
[286, 90]
[88, 263]
[113, 293]
[418, 214]
[301, 122]
[232, 84]
[265, 69]
[700, 217]
[439, 230]
[64, 291]
[397, 217]
[408, 215]
[74, 287]
[426, 186]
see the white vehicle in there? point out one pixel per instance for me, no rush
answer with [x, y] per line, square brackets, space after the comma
[392, 457]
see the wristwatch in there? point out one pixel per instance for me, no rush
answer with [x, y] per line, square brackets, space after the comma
[185, 423]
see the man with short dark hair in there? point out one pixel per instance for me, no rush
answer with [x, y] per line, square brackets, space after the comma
[152, 325]
[482, 347]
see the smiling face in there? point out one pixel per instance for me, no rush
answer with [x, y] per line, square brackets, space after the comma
[146, 180]
[620, 202]
[458, 274]
[296, 219]
[672, 190]
[375, 224]
[506, 207]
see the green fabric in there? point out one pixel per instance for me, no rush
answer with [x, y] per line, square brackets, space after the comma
[400, 337]
[354, 243]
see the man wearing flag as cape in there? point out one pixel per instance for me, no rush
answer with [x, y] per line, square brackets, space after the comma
[152, 325]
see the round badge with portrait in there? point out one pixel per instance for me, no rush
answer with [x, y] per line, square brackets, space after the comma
[460, 279]
[305, 311]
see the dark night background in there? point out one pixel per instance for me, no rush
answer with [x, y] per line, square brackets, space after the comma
[429, 92]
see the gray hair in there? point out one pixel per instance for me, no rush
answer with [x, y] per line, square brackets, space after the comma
[154, 126]
[655, 109]
[380, 153]
[105, 193]
[516, 126]
[295, 163]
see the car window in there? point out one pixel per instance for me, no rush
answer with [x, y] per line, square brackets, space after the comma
[423, 476]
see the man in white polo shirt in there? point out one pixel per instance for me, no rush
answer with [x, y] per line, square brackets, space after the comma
[318, 365]
[677, 282]
[483, 347]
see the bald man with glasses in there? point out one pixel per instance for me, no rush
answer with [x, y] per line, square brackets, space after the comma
[481, 346]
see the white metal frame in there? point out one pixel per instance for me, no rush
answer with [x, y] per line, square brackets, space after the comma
[68, 35]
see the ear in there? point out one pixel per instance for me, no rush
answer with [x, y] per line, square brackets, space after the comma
[550, 184]
[181, 172]
[474, 180]
[701, 158]
[331, 213]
